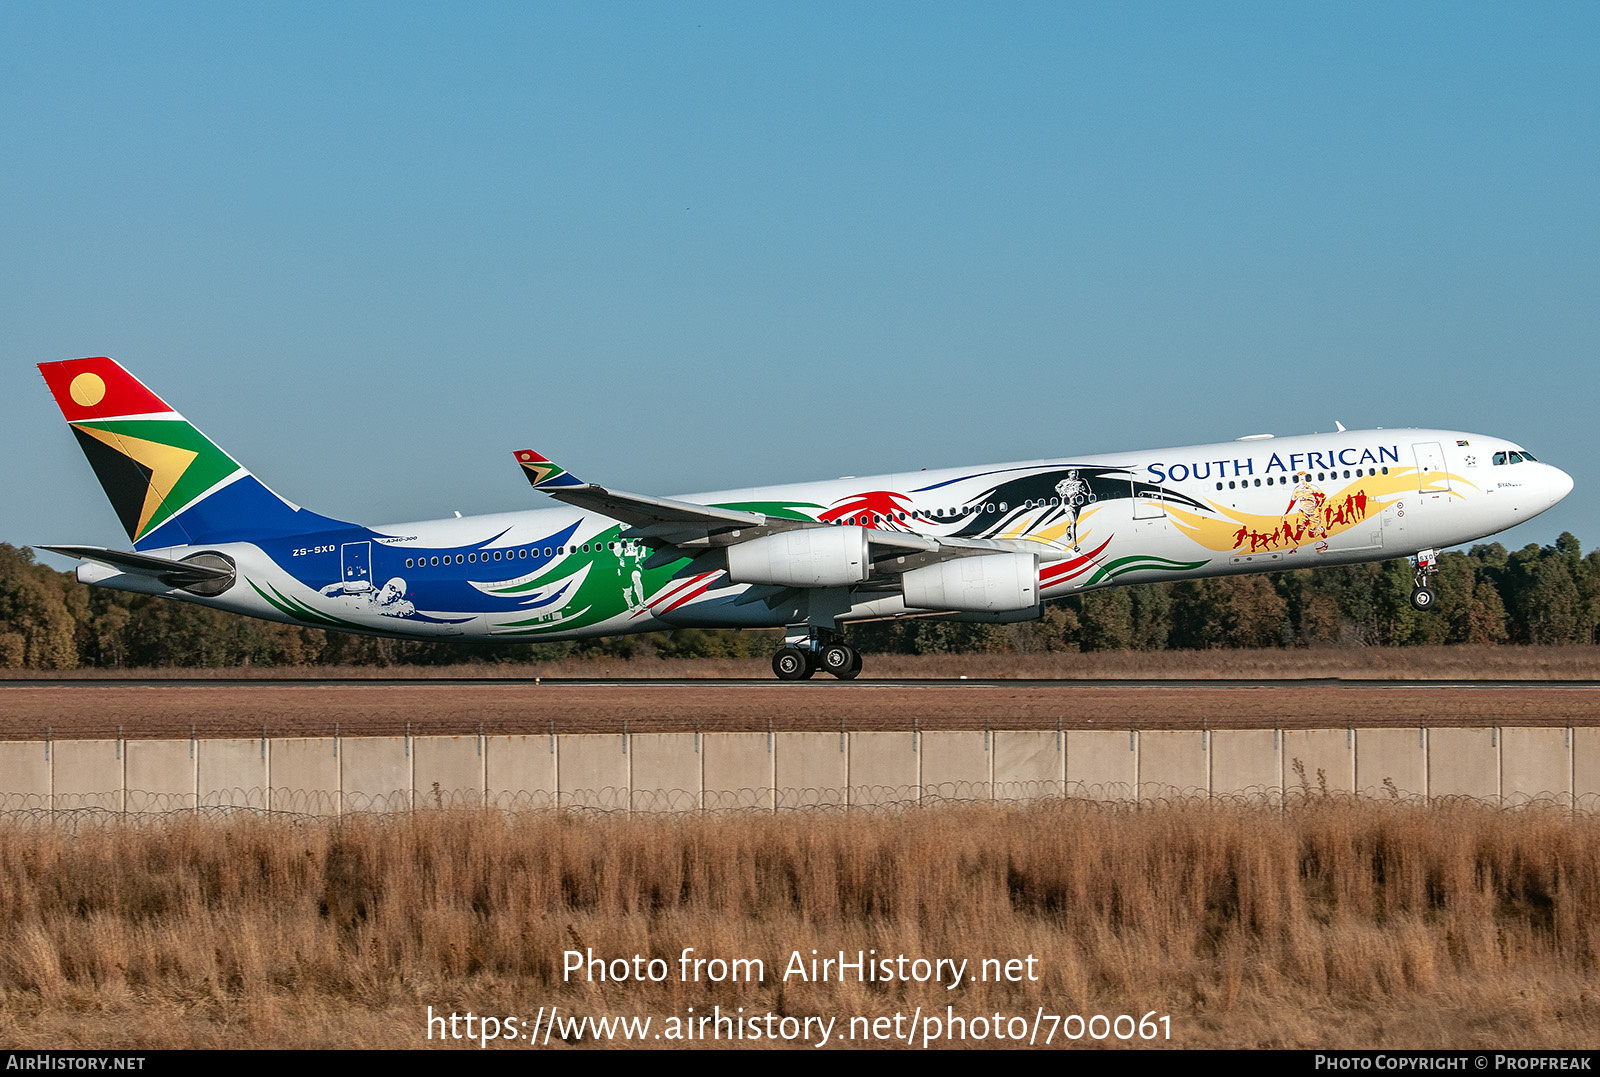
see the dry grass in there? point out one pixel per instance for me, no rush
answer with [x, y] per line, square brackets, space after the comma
[1392, 663]
[1335, 924]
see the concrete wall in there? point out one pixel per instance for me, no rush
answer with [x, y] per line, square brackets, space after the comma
[25, 775]
[883, 769]
[231, 773]
[954, 765]
[810, 770]
[1392, 763]
[1028, 764]
[592, 771]
[1174, 765]
[778, 771]
[738, 770]
[1246, 764]
[1102, 764]
[158, 775]
[520, 772]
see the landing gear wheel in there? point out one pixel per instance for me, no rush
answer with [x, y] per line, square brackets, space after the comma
[1423, 598]
[840, 659]
[855, 667]
[791, 664]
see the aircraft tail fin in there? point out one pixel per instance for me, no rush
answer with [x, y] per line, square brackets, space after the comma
[169, 484]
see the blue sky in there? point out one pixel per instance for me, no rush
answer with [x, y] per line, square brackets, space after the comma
[372, 248]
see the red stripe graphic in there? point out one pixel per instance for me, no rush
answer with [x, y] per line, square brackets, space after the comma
[696, 593]
[1077, 566]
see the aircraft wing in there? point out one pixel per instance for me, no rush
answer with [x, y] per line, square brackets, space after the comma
[693, 528]
[673, 523]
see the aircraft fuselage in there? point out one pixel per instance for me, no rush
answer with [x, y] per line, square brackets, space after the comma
[1097, 521]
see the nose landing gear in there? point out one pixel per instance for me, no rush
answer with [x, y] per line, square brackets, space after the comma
[1422, 596]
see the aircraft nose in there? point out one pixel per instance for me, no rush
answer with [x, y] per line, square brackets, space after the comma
[1560, 484]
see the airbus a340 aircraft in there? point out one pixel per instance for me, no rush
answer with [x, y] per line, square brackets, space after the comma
[971, 544]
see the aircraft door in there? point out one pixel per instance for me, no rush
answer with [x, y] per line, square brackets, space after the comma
[1431, 472]
[356, 562]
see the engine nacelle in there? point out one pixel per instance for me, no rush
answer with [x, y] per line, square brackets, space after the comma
[808, 557]
[992, 582]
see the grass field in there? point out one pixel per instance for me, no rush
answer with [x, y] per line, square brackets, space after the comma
[1335, 924]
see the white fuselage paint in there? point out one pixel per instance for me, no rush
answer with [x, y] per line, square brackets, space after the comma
[1449, 492]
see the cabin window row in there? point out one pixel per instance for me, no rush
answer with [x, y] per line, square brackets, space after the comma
[871, 519]
[1322, 476]
[520, 554]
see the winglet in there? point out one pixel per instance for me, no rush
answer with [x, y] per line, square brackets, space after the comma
[544, 475]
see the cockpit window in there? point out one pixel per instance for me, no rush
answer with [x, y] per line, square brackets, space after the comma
[1499, 458]
[1526, 455]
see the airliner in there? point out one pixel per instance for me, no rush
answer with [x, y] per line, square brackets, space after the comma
[988, 544]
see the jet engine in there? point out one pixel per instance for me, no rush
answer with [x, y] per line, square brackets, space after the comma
[991, 582]
[809, 557]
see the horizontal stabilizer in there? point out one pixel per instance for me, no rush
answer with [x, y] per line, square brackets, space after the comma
[175, 573]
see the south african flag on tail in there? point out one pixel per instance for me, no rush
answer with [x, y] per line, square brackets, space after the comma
[169, 484]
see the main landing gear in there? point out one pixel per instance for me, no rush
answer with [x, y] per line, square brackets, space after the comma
[807, 650]
[1422, 596]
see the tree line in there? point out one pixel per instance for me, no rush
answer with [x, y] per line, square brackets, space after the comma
[1487, 595]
